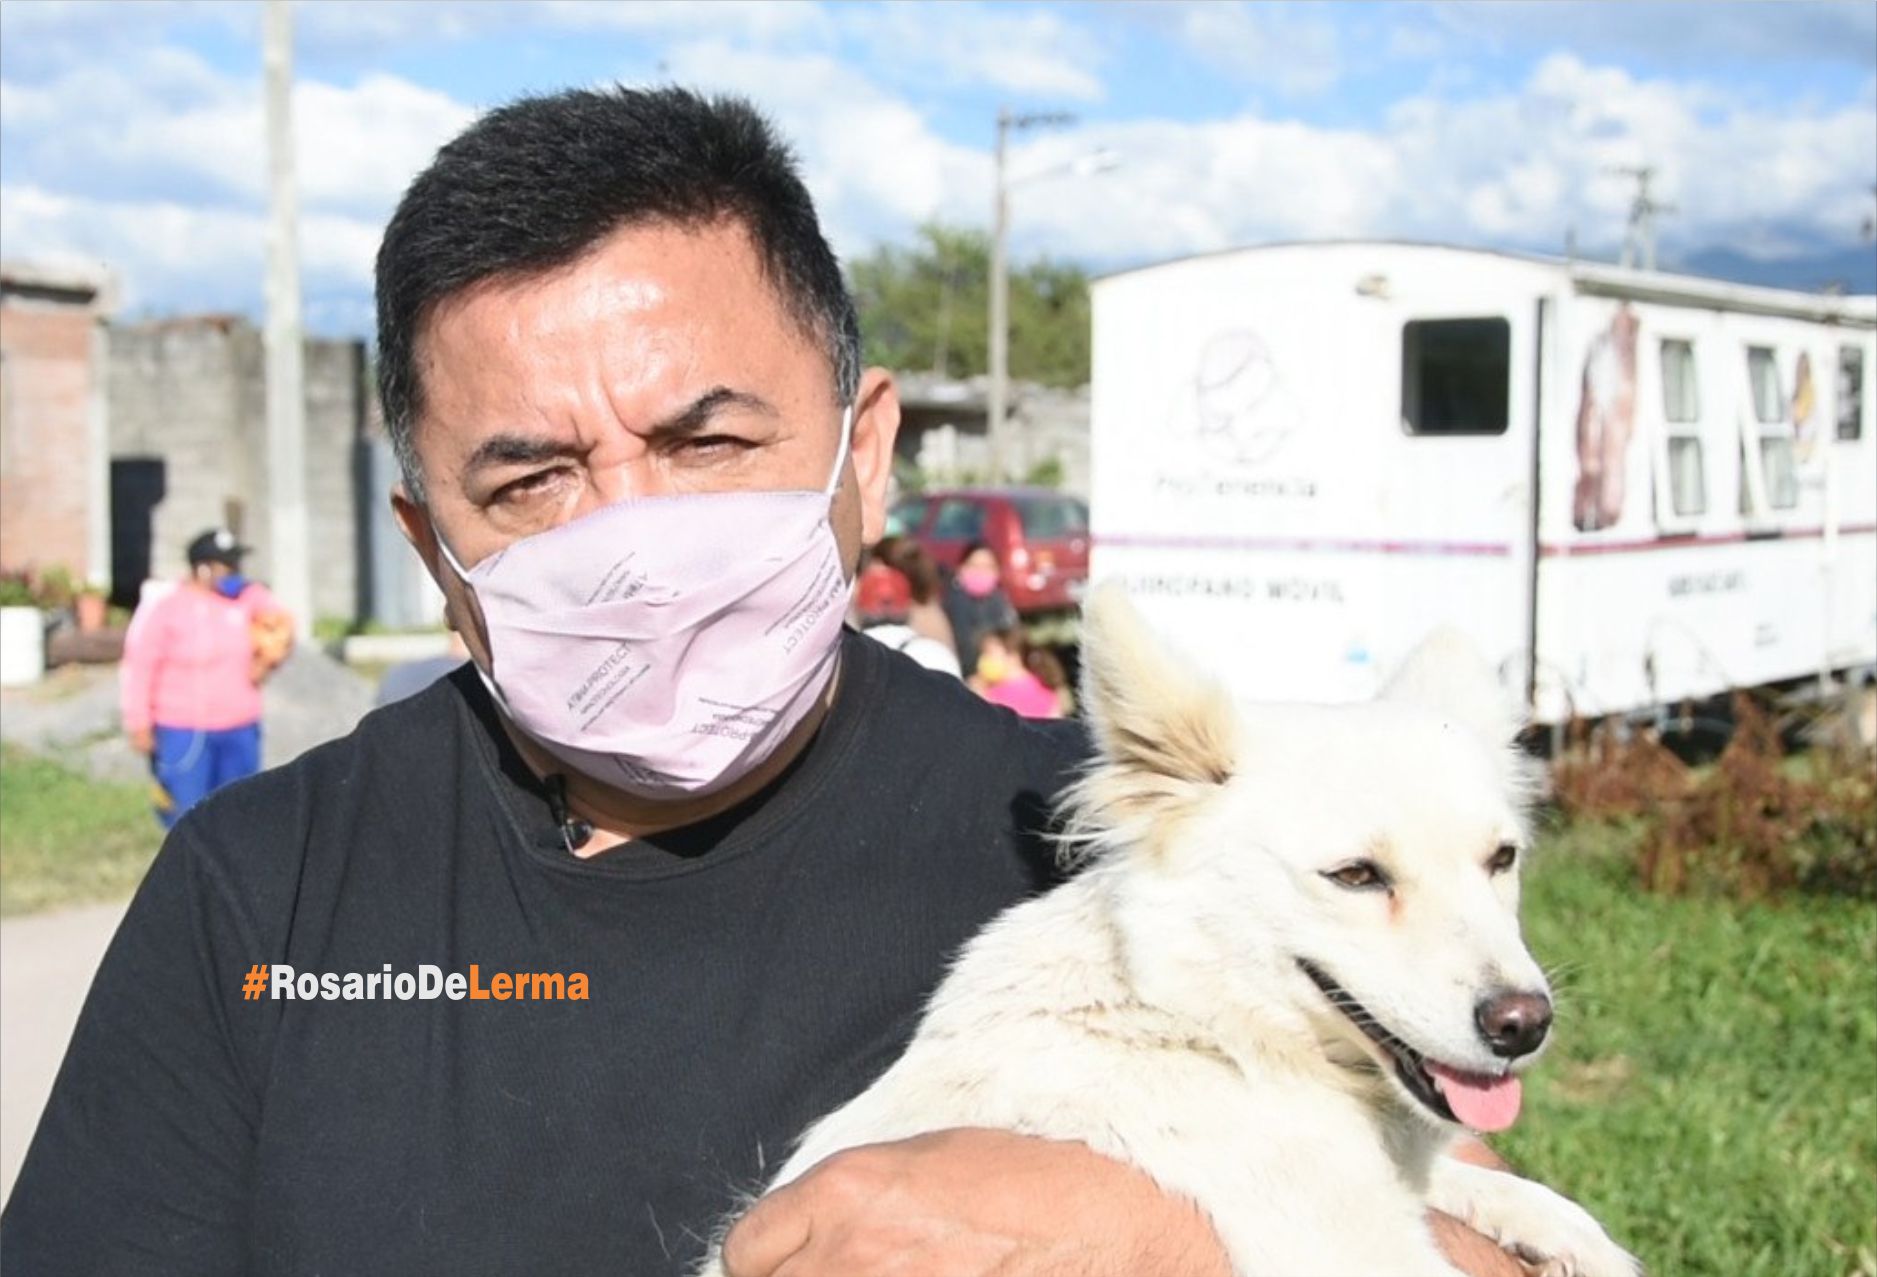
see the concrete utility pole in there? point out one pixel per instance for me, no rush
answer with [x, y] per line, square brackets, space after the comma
[1099, 161]
[288, 565]
[1639, 236]
[1000, 282]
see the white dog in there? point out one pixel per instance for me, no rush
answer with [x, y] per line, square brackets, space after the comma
[1289, 974]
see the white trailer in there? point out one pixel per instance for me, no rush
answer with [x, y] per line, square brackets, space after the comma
[1628, 487]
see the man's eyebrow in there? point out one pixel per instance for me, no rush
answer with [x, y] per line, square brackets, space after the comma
[698, 413]
[515, 450]
[522, 450]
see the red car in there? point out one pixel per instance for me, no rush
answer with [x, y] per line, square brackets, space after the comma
[1039, 535]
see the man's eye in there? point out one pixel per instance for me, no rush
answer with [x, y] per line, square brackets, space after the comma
[712, 445]
[1503, 859]
[1359, 875]
[527, 486]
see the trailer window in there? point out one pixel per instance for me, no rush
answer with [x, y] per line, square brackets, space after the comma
[1769, 403]
[1850, 392]
[1687, 475]
[1681, 409]
[958, 521]
[1681, 398]
[1456, 376]
[1780, 471]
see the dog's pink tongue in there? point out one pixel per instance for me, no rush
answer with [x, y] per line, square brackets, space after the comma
[1483, 1103]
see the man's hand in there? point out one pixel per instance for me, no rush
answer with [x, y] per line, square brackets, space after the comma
[968, 1202]
[973, 1202]
[143, 740]
[1473, 1253]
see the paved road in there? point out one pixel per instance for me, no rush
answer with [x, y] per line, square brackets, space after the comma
[46, 964]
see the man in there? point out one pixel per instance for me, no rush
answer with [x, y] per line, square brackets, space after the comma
[640, 459]
[189, 685]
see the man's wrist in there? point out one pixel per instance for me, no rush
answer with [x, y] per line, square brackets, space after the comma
[1169, 1236]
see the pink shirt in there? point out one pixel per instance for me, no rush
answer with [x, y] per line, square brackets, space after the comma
[1025, 693]
[188, 660]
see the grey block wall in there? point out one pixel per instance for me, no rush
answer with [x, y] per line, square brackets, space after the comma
[193, 392]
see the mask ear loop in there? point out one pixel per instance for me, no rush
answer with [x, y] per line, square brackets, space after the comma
[462, 575]
[840, 455]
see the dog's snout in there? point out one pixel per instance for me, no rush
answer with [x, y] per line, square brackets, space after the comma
[1514, 1024]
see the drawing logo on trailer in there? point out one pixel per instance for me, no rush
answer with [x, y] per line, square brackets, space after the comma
[1240, 408]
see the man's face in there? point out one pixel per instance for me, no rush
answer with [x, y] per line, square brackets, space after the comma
[662, 362]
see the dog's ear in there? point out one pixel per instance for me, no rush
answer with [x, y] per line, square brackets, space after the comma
[1447, 674]
[1151, 712]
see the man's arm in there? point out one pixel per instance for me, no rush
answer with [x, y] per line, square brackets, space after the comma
[141, 1159]
[974, 1202]
[136, 679]
[993, 1203]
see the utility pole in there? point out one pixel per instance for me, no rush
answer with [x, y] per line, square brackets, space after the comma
[998, 408]
[286, 400]
[1639, 236]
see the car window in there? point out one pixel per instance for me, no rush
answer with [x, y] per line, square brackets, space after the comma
[958, 521]
[1052, 518]
[905, 517]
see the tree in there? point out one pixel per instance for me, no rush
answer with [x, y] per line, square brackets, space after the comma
[926, 308]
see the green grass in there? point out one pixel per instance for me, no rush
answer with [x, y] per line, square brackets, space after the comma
[1712, 1094]
[67, 839]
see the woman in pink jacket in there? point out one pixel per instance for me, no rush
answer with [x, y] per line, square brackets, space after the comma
[190, 679]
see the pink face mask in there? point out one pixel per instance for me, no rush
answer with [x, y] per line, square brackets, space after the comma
[977, 582]
[665, 646]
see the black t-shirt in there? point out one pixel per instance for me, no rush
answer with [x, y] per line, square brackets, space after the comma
[744, 976]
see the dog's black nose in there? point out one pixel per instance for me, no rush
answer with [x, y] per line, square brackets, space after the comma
[1514, 1024]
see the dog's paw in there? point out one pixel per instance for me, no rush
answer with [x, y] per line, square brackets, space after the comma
[1563, 1240]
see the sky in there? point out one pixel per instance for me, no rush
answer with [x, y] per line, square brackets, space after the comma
[132, 133]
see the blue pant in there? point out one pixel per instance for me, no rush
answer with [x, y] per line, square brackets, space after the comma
[189, 765]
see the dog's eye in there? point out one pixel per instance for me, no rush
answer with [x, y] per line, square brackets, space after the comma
[1503, 859]
[1359, 875]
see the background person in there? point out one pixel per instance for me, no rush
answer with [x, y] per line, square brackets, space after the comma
[976, 604]
[882, 605]
[926, 612]
[1004, 676]
[189, 683]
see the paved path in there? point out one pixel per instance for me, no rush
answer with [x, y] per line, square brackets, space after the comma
[46, 964]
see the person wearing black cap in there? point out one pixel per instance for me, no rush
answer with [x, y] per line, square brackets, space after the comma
[190, 680]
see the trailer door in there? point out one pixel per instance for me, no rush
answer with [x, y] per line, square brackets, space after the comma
[1459, 500]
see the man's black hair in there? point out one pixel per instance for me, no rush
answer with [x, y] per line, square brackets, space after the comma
[536, 184]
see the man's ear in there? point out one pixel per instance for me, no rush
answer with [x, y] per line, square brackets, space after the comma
[876, 427]
[414, 523]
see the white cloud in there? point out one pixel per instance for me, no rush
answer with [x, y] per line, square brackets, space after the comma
[366, 27]
[1294, 50]
[1517, 168]
[1029, 52]
[153, 160]
[161, 250]
[1667, 33]
[874, 163]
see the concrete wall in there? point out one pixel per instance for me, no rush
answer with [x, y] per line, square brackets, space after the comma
[943, 431]
[53, 505]
[193, 392]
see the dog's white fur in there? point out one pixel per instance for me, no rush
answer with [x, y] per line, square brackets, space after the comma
[1153, 1008]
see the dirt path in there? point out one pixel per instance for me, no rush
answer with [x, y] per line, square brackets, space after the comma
[46, 964]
